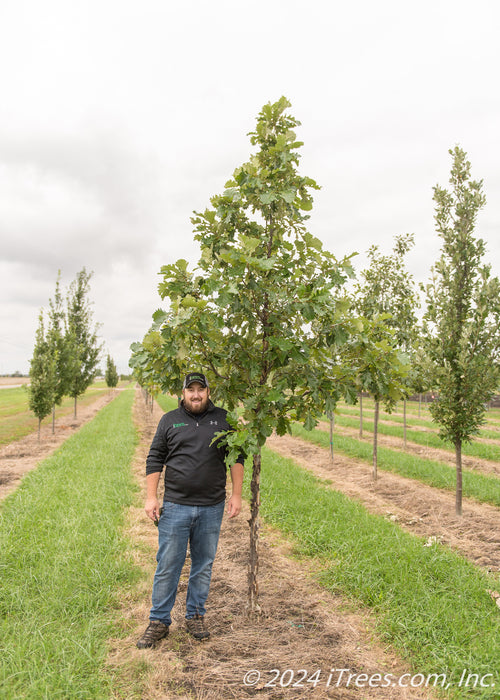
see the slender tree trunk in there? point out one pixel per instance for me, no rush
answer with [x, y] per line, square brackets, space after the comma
[253, 564]
[39, 425]
[404, 422]
[458, 461]
[360, 416]
[375, 431]
[75, 408]
[419, 403]
[53, 419]
[332, 426]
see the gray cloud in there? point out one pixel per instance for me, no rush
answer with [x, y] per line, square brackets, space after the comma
[119, 118]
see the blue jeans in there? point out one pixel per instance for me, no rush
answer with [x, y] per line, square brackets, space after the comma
[178, 525]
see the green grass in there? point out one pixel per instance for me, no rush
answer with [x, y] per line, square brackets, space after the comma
[167, 403]
[485, 489]
[411, 418]
[428, 439]
[63, 559]
[430, 603]
[13, 401]
[16, 420]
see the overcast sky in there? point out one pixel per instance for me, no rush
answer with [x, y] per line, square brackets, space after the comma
[118, 118]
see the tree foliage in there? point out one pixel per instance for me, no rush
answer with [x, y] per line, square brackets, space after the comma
[387, 288]
[462, 320]
[260, 313]
[58, 342]
[111, 375]
[81, 336]
[43, 381]
[385, 296]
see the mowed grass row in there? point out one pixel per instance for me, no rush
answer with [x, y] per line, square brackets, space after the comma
[482, 487]
[425, 438]
[492, 415]
[16, 420]
[491, 431]
[63, 559]
[431, 604]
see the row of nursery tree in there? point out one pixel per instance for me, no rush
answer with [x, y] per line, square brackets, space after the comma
[66, 352]
[284, 331]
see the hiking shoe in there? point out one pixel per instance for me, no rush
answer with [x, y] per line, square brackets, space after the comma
[155, 632]
[196, 627]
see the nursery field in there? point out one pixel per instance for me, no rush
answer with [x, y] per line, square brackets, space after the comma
[368, 589]
[16, 420]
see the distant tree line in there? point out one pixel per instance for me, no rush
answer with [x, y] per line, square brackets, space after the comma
[66, 351]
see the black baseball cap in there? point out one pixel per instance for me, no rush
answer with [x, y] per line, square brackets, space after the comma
[195, 377]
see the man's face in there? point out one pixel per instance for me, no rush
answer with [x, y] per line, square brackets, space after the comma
[196, 397]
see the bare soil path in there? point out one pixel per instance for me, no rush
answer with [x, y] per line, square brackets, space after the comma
[301, 626]
[421, 509]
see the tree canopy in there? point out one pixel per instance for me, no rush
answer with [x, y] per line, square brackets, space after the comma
[462, 318]
[262, 311]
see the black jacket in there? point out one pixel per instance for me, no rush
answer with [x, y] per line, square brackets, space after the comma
[195, 470]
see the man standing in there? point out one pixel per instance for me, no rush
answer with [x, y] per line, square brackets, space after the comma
[193, 505]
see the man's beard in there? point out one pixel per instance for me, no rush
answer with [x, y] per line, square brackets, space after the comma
[198, 407]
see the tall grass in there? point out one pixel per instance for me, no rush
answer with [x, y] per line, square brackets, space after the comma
[62, 560]
[485, 489]
[430, 603]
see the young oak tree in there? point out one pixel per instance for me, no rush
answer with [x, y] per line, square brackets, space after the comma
[462, 320]
[59, 347]
[387, 296]
[111, 375]
[43, 379]
[81, 337]
[246, 317]
[147, 360]
[374, 364]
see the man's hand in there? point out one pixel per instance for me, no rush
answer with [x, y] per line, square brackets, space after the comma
[152, 508]
[234, 506]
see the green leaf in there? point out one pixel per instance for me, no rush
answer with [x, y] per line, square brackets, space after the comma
[267, 197]
[160, 316]
[289, 195]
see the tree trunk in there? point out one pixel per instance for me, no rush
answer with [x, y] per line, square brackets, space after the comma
[332, 425]
[458, 462]
[375, 431]
[360, 416]
[253, 564]
[404, 422]
[39, 424]
[53, 419]
[75, 407]
[419, 403]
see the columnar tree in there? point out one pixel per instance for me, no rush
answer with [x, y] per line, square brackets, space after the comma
[387, 294]
[81, 336]
[463, 315]
[245, 316]
[111, 375]
[59, 347]
[42, 385]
